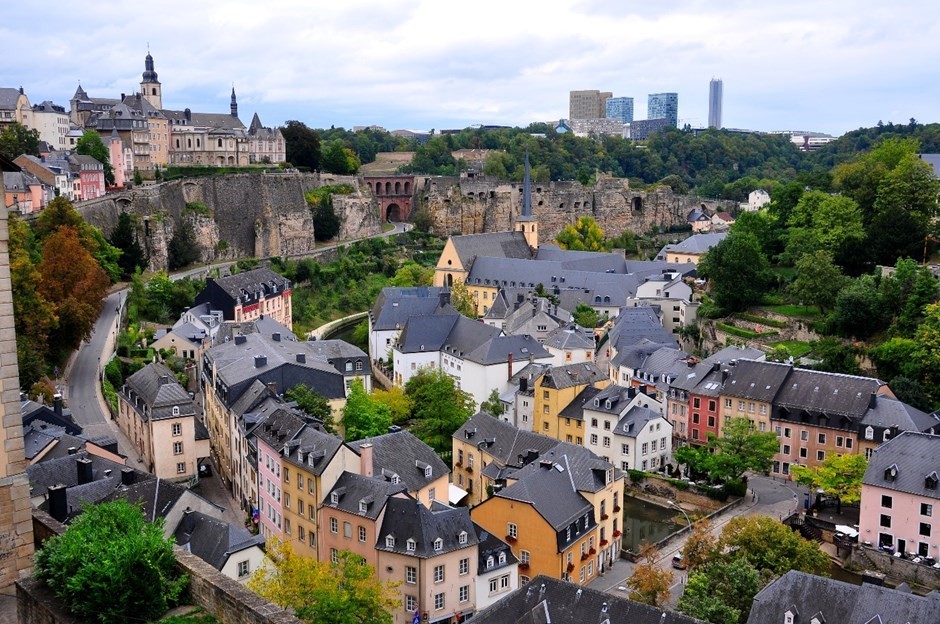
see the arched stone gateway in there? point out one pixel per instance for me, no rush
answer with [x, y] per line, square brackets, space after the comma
[394, 195]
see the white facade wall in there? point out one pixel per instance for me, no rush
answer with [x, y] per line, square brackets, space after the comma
[485, 597]
[254, 557]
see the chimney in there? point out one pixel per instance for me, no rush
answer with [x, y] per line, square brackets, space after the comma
[58, 502]
[301, 358]
[724, 375]
[276, 336]
[365, 459]
[128, 476]
[523, 384]
[240, 340]
[873, 400]
[84, 467]
[444, 298]
[510, 367]
[272, 386]
[123, 95]
[57, 405]
[73, 450]
[261, 361]
[188, 114]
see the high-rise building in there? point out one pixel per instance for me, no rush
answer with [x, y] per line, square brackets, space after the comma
[589, 104]
[620, 108]
[714, 103]
[663, 106]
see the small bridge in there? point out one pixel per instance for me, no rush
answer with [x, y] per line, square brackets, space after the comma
[394, 194]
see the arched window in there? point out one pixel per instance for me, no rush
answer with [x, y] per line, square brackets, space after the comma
[398, 188]
[153, 91]
[220, 142]
[407, 187]
[388, 188]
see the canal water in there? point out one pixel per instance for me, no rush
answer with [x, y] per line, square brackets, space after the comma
[646, 523]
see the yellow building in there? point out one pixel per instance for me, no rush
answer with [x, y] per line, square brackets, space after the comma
[554, 391]
[460, 252]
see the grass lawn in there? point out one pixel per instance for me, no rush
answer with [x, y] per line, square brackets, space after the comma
[794, 347]
[793, 310]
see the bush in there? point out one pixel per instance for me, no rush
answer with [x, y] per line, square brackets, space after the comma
[113, 373]
[744, 316]
[110, 395]
[111, 565]
[636, 476]
[737, 487]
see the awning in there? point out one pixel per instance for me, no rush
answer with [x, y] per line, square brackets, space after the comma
[455, 494]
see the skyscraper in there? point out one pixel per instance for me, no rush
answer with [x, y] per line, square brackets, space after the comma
[714, 103]
[620, 108]
[663, 106]
[587, 104]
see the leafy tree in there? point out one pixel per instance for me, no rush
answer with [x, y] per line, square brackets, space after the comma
[823, 222]
[769, 545]
[784, 199]
[701, 545]
[721, 592]
[58, 213]
[835, 356]
[839, 476]
[433, 158]
[461, 300]
[138, 177]
[737, 270]
[740, 448]
[421, 219]
[650, 583]
[326, 222]
[345, 592]
[312, 403]
[585, 316]
[927, 338]
[16, 140]
[858, 308]
[183, 249]
[111, 565]
[818, 280]
[585, 235]
[124, 237]
[412, 274]
[364, 417]
[302, 145]
[492, 405]
[438, 407]
[912, 392]
[923, 292]
[764, 227]
[339, 159]
[397, 402]
[91, 145]
[904, 207]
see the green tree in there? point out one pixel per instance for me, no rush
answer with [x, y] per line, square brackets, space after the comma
[721, 592]
[858, 309]
[835, 356]
[461, 300]
[124, 237]
[91, 145]
[313, 404]
[585, 316]
[111, 565]
[895, 357]
[700, 547]
[338, 159]
[824, 222]
[740, 448]
[302, 145]
[397, 402]
[927, 338]
[585, 235]
[16, 140]
[183, 249]
[438, 407]
[364, 417]
[412, 274]
[818, 280]
[492, 405]
[345, 592]
[923, 292]
[839, 476]
[326, 222]
[433, 158]
[737, 270]
[769, 545]
[904, 208]
[764, 227]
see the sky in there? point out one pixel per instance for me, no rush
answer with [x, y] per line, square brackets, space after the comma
[819, 65]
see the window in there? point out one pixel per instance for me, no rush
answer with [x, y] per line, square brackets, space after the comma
[504, 581]
[869, 433]
[181, 468]
[362, 534]
[494, 585]
[804, 435]
[287, 500]
[606, 442]
[885, 521]
[786, 432]
[490, 562]
[820, 455]
[925, 529]
[438, 544]
[176, 410]
[300, 507]
[624, 449]
[410, 545]
[645, 448]
[390, 541]
[696, 403]
[347, 530]
[462, 537]
[334, 555]
[464, 593]
[177, 448]
[411, 604]
[886, 501]
[581, 575]
[411, 575]
[848, 443]
[513, 531]
[177, 429]
[300, 481]
[926, 509]
[439, 574]
[287, 526]
[740, 406]
[464, 566]
[786, 449]
[334, 525]
[502, 557]
[523, 580]
[593, 438]
[243, 569]
[287, 475]
[727, 403]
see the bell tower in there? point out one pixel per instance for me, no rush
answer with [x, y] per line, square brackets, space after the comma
[150, 86]
[527, 223]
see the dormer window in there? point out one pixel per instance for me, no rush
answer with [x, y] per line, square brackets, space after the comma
[607, 404]
[930, 482]
[869, 433]
[462, 538]
[349, 367]
[597, 402]
[390, 541]
[438, 545]
[886, 435]
[176, 410]
[891, 473]
[410, 545]
[334, 498]
[489, 562]
[395, 479]
[502, 557]
[363, 506]
[427, 472]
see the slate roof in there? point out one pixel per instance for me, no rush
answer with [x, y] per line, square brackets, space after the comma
[838, 602]
[406, 518]
[632, 356]
[56, 415]
[933, 160]
[633, 324]
[570, 338]
[157, 497]
[499, 349]
[826, 393]
[570, 375]
[547, 485]
[257, 280]
[695, 244]
[352, 489]
[546, 600]
[663, 364]
[157, 387]
[760, 381]
[38, 435]
[618, 396]
[634, 420]
[9, 96]
[430, 332]
[64, 471]
[916, 456]
[488, 545]
[504, 442]
[217, 121]
[263, 325]
[575, 409]
[394, 306]
[213, 540]
[890, 412]
[693, 376]
[280, 428]
[399, 453]
[735, 352]
[495, 244]
[312, 449]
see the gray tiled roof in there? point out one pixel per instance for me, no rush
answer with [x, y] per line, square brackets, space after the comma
[890, 412]
[430, 332]
[312, 449]
[696, 244]
[916, 456]
[280, 428]
[398, 453]
[213, 540]
[220, 121]
[760, 381]
[570, 337]
[575, 409]
[634, 420]
[488, 545]
[500, 349]
[394, 306]
[352, 489]
[468, 337]
[256, 280]
[617, 396]
[547, 485]
[827, 393]
[64, 471]
[406, 518]
[838, 602]
[547, 600]
[157, 497]
[503, 441]
[157, 387]
[933, 160]
[9, 96]
[633, 324]
[735, 352]
[571, 375]
[494, 244]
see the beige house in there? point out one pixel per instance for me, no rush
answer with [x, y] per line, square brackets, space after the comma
[691, 249]
[156, 413]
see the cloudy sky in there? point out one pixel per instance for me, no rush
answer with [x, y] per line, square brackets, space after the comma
[826, 65]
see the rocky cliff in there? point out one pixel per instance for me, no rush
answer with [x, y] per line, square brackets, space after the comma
[484, 204]
[245, 215]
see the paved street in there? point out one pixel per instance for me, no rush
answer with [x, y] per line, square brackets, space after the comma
[766, 496]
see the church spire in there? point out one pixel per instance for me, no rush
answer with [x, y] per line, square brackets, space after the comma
[527, 223]
[234, 105]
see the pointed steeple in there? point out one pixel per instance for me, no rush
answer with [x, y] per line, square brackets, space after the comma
[80, 93]
[234, 105]
[527, 189]
[527, 223]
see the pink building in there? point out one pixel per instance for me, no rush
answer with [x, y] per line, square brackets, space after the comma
[280, 427]
[116, 155]
[90, 173]
[22, 192]
[900, 493]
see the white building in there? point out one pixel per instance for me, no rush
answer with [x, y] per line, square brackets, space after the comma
[756, 200]
[497, 569]
[52, 123]
[625, 427]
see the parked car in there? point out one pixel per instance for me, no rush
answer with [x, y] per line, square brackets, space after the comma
[677, 562]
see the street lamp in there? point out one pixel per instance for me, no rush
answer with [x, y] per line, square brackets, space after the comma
[687, 519]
